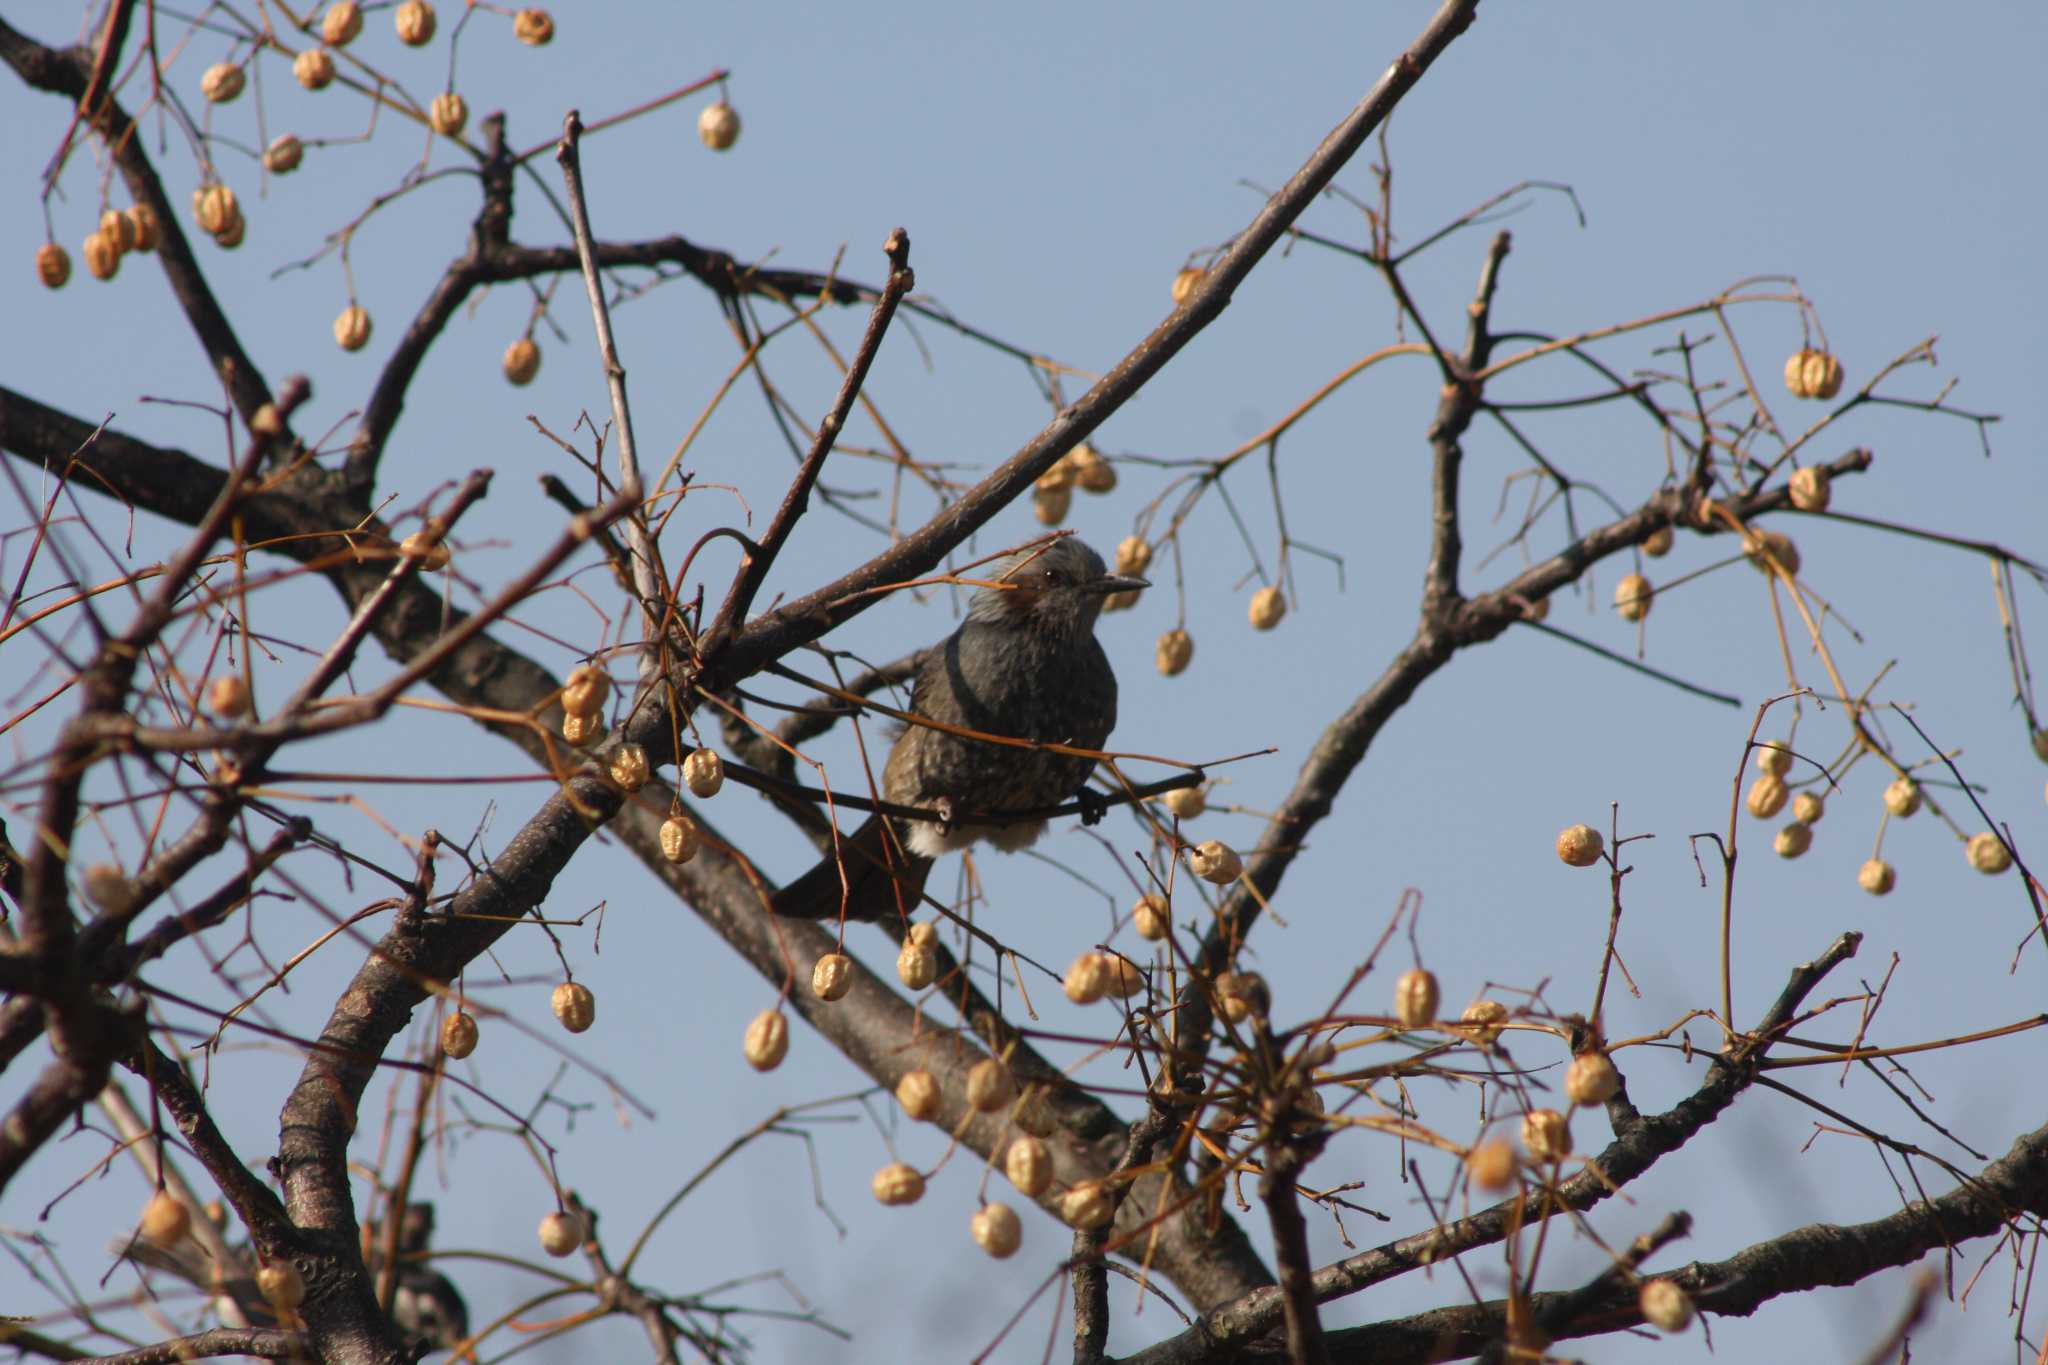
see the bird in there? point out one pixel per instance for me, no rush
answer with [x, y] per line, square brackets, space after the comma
[1024, 664]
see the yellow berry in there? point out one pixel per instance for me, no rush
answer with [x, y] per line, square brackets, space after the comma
[448, 114]
[1028, 1163]
[1185, 283]
[575, 1006]
[629, 767]
[1580, 845]
[534, 27]
[1186, 802]
[352, 328]
[1087, 981]
[165, 1219]
[1051, 506]
[718, 126]
[1810, 489]
[560, 1233]
[1268, 606]
[896, 1184]
[283, 155]
[703, 773]
[988, 1085]
[832, 976]
[427, 547]
[679, 840]
[1807, 808]
[522, 361]
[1484, 1020]
[1215, 862]
[917, 966]
[1774, 758]
[918, 1093]
[1766, 796]
[228, 696]
[1086, 1207]
[1632, 597]
[281, 1286]
[581, 728]
[586, 688]
[1491, 1165]
[342, 22]
[1988, 853]
[1150, 918]
[147, 230]
[1415, 998]
[53, 265]
[1902, 797]
[997, 1230]
[458, 1035]
[1133, 555]
[119, 229]
[1176, 648]
[222, 82]
[102, 255]
[313, 68]
[414, 20]
[1547, 1135]
[1766, 548]
[767, 1041]
[1658, 543]
[1877, 877]
[1665, 1306]
[1093, 473]
[1591, 1079]
[1793, 840]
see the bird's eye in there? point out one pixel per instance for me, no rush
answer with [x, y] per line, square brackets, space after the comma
[1053, 578]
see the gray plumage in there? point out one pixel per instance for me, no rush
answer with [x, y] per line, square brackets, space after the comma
[1024, 664]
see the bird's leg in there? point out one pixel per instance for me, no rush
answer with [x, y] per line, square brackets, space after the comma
[1093, 806]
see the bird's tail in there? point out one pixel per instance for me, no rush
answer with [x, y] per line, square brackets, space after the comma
[883, 880]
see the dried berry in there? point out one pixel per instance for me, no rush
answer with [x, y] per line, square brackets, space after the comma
[581, 728]
[342, 22]
[116, 227]
[997, 1230]
[1051, 506]
[1186, 802]
[1028, 1163]
[228, 696]
[1415, 998]
[1810, 489]
[1580, 845]
[1547, 1135]
[1268, 606]
[414, 20]
[679, 843]
[1632, 597]
[560, 1233]
[1774, 758]
[1133, 555]
[53, 265]
[313, 68]
[586, 689]
[1086, 1207]
[448, 114]
[629, 767]
[917, 966]
[896, 1184]
[230, 237]
[988, 1085]
[458, 1035]
[427, 547]
[102, 255]
[1807, 808]
[148, 231]
[534, 27]
[1087, 981]
[718, 126]
[703, 773]
[1491, 1164]
[1766, 796]
[222, 82]
[1766, 548]
[1665, 1306]
[832, 976]
[352, 328]
[1902, 797]
[767, 1041]
[283, 155]
[1126, 978]
[522, 361]
[1093, 473]
[1150, 918]
[281, 1285]
[1813, 374]
[1658, 543]
[1877, 877]
[1176, 648]
[918, 1093]
[1988, 853]
[165, 1219]
[575, 1006]
[1185, 283]
[1591, 1079]
[1793, 840]
[1215, 862]
[1484, 1020]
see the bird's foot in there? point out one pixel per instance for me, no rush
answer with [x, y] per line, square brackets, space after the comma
[1093, 806]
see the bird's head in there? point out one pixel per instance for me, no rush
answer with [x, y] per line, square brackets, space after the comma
[1057, 587]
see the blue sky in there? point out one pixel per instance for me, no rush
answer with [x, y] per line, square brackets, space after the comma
[1055, 166]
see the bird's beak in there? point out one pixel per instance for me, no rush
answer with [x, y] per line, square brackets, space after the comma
[1115, 582]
